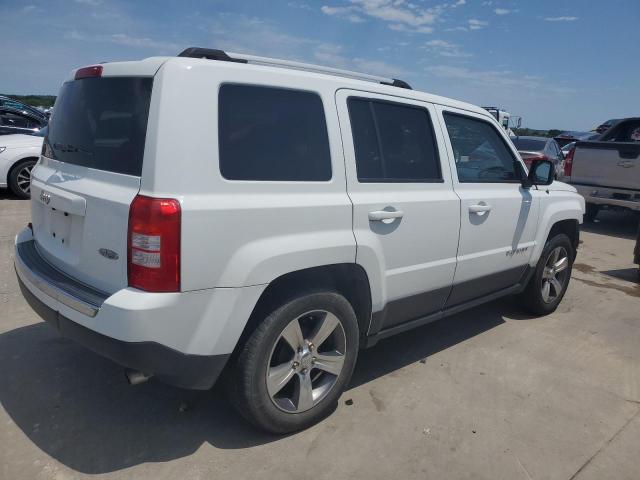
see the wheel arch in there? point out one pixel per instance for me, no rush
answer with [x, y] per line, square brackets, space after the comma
[571, 228]
[347, 279]
[561, 214]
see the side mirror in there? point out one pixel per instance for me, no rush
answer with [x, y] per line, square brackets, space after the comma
[542, 172]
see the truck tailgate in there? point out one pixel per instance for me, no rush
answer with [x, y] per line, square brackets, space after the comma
[607, 164]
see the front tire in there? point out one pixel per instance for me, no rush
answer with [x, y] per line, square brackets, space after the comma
[551, 278]
[20, 179]
[296, 364]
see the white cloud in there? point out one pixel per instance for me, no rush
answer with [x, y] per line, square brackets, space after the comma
[301, 6]
[399, 27]
[561, 19]
[239, 33]
[395, 11]
[348, 13]
[459, 3]
[377, 67]
[93, 3]
[475, 24]
[445, 49]
[124, 39]
[496, 78]
[333, 55]
[144, 42]
[402, 16]
[502, 11]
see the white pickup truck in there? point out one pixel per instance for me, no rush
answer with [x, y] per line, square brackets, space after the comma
[607, 172]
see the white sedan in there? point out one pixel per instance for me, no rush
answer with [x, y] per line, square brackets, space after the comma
[18, 154]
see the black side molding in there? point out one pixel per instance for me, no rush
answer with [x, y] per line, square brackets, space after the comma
[525, 277]
[209, 54]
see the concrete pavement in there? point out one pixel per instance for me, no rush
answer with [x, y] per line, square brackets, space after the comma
[488, 394]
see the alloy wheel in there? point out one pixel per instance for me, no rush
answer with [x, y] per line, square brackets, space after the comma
[23, 178]
[306, 361]
[554, 275]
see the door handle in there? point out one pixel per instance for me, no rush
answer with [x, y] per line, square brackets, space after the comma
[380, 215]
[480, 208]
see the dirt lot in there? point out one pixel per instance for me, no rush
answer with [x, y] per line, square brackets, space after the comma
[487, 394]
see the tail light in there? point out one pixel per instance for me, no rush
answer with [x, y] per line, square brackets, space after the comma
[153, 250]
[568, 162]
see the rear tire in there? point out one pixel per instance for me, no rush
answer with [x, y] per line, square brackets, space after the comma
[296, 364]
[591, 212]
[20, 178]
[547, 286]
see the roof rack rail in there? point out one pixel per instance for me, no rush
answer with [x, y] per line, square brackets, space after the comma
[213, 54]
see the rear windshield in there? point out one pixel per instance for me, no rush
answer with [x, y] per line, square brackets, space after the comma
[102, 123]
[529, 144]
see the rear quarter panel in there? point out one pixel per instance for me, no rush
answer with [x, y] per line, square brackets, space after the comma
[240, 233]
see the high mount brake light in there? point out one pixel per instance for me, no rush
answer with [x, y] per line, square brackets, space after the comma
[89, 72]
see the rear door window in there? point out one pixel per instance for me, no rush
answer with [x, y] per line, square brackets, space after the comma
[393, 142]
[101, 123]
[272, 134]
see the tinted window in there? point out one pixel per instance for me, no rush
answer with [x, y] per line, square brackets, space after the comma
[393, 142]
[480, 152]
[21, 107]
[529, 144]
[272, 134]
[102, 123]
[13, 120]
[627, 132]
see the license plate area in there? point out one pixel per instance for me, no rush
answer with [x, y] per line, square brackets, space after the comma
[58, 227]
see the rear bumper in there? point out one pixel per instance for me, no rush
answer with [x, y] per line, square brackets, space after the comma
[198, 372]
[123, 330]
[610, 196]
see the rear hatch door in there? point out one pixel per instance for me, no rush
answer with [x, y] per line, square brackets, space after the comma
[89, 174]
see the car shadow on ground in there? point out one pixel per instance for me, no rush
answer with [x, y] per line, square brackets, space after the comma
[6, 194]
[623, 224]
[631, 275]
[78, 408]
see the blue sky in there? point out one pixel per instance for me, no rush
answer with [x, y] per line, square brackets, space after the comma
[567, 64]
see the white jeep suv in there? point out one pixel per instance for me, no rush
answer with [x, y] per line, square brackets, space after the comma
[218, 212]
